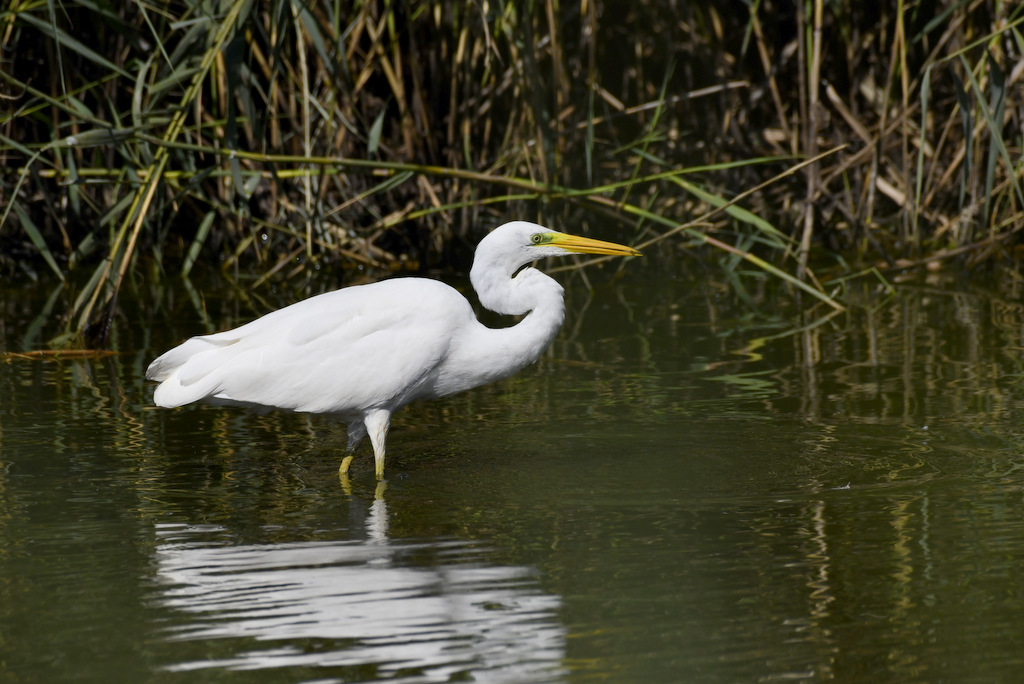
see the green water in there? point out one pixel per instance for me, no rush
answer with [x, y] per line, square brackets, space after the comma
[678, 491]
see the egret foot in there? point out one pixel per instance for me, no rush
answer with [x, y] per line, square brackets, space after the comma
[345, 463]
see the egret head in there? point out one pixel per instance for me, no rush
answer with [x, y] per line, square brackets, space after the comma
[520, 242]
[499, 278]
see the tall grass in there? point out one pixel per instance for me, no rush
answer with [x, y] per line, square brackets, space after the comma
[276, 137]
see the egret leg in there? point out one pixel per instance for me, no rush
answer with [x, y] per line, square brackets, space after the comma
[356, 432]
[376, 424]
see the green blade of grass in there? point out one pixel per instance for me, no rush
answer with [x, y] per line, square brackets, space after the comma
[737, 212]
[37, 239]
[966, 129]
[919, 171]
[72, 43]
[995, 129]
[197, 243]
[997, 83]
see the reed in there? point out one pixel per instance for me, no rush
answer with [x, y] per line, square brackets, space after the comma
[277, 137]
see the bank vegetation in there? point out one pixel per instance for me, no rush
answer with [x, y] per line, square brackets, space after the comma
[803, 142]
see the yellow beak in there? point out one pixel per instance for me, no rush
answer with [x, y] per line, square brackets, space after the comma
[574, 243]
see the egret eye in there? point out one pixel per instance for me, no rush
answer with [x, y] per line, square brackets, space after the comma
[537, 238]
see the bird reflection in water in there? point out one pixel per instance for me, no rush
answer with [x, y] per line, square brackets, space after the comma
[442, 608]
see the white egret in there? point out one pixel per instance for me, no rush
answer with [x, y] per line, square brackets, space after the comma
[363, 352]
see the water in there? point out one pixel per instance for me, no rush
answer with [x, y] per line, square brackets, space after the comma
[679, 491]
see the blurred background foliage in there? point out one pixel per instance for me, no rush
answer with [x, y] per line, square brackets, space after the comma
[810, 140]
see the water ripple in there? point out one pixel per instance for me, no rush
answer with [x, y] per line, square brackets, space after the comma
[370, 601]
